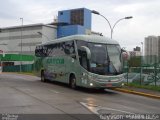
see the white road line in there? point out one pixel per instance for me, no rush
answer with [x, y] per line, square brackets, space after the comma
[55, 91]
[95, 108]
[92, 109]
[104, 108]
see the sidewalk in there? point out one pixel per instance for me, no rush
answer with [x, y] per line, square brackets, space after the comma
[140, 91]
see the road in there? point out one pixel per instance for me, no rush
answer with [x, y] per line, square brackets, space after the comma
[24, 94]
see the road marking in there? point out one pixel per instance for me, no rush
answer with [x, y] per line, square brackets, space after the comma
[92, 109]
[117, 110]
[55, 91]
[96, 108]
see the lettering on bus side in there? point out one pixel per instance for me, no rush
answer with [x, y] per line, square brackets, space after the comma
[55, 61]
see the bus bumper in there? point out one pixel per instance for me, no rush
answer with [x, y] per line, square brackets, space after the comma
[105, 85]
[103, 82]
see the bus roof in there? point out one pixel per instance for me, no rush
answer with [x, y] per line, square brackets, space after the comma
[88, 38]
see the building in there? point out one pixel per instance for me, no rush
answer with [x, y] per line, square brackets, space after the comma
[151, 45]
[74, 21]
[152, 48]
[137, 49]
[22, 40]
[29, 35]
[134, 53]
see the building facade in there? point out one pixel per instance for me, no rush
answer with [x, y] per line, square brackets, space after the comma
[23, 39]
[137, 49]
[19, 41]
[152, 48]
[74, 21]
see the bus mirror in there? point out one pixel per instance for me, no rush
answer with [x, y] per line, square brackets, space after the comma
[125, 55]
[123, 50]
[87, 50]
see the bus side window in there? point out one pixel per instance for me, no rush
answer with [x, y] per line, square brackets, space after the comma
[83, 59]
[82, 54]
[39, 51]
[69, 49]
[55, 49]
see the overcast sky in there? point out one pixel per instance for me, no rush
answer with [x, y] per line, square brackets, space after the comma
[129, 33]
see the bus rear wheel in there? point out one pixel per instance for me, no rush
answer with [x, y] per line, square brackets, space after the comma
[72, 82]
[43, 79]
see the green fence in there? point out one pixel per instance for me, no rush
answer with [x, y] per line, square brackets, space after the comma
[16, 68]
[142, 70]
[16, 57]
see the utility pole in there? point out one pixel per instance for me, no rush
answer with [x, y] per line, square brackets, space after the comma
[21, 44]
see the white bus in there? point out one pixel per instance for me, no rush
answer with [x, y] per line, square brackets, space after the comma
[89, 61]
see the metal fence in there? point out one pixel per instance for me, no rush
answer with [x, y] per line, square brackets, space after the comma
[142, 70]
[16, 68]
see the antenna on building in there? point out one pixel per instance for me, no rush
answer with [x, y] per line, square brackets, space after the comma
[55, 19]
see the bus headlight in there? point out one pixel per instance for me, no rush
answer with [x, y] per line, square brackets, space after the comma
[91, 84]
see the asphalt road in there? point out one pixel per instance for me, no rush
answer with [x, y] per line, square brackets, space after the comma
[24, 94]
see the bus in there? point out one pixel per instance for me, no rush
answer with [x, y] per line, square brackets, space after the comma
[89, 61]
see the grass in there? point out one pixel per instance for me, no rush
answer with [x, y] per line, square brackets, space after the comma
[149, 87]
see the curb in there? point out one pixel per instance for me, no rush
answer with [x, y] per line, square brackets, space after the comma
[137, 93]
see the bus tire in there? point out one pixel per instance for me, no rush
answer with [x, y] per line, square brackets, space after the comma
[43, 79]
[72, 82]
[102, 89]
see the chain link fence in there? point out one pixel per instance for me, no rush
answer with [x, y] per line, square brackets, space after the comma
[139, 70]
[142, 70]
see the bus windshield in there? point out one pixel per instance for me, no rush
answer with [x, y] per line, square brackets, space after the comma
[105, 59]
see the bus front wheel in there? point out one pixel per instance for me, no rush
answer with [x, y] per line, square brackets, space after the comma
[72, 82]
[43, 79]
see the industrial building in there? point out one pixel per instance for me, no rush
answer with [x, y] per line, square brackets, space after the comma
[74, 21]
[22, 40]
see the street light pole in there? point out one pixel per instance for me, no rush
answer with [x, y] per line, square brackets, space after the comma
[21, 45]
[129, 17]
[3, 55]
[142, 48]
[97, 13]
[141, 64]
[111, 28]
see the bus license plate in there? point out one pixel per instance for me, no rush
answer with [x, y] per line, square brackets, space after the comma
[109, 85]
